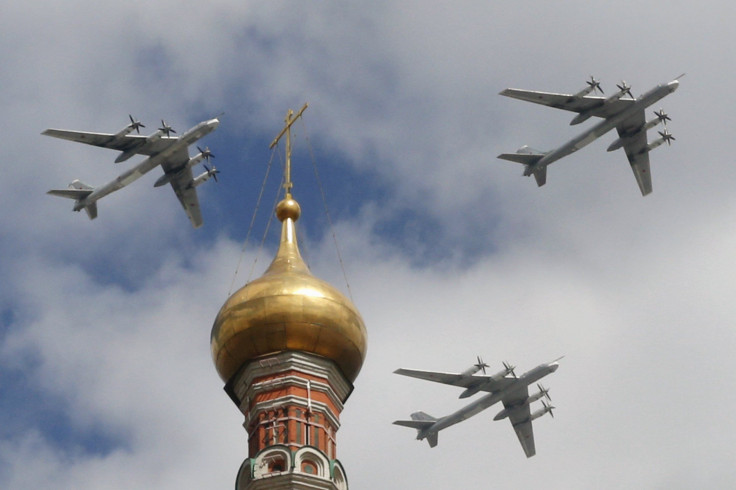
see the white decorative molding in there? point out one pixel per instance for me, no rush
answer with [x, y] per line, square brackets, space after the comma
[310, 364]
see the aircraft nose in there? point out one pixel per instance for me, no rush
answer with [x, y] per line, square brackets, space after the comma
[673, 85]
[554, 366]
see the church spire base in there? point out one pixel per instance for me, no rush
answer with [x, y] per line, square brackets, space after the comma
[292, 403]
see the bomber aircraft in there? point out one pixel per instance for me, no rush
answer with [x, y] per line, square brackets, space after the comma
[503, 387]
[161, 148]
[624, 114]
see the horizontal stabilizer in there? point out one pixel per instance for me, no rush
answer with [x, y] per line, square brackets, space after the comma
[415, 424]
[419, 420]
[423, 416]
[75, 194]
[524, 155]
[77, 190]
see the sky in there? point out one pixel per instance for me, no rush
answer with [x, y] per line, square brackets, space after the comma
[106, 378]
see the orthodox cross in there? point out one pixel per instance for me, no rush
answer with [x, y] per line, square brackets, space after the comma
[290, 119]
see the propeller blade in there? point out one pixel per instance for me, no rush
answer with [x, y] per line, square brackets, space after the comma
[166, 128]
[548, 408]
[212, 172]
[625, 88]
[667, 136]
[135, 124]
[206, 153]
[544, 391]
[595, 84]
[662, 116]
[481, 365]
[509, 369]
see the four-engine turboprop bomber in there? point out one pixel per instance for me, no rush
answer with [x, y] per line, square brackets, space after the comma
[161, 148]
[626, 114]
[503, 387]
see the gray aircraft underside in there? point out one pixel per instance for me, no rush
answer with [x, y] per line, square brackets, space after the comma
[170, 152]
[625, 114]
[513, 392]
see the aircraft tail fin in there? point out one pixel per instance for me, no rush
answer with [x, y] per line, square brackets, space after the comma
[540, 175]
[529, 157]
[79, 191]
[91, 210]
[421, 421]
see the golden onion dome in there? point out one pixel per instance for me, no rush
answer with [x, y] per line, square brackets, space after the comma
[288, 309]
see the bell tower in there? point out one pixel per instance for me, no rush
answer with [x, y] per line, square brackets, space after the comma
[289, 346]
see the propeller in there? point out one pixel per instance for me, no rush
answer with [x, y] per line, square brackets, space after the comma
[544, 391]
[134, 124]
[667, 136]
[594, 85]
[206, 153]
[509, 369]
[481, 365]
[212, 172]
[548, 408]
[166, 128]
[625, 88]
[662, 116]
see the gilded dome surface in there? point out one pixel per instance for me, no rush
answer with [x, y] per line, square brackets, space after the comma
[288, 309]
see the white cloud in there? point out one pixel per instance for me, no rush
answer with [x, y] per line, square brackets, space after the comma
[111, 317]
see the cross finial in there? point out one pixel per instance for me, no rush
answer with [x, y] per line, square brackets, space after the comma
[290, 118]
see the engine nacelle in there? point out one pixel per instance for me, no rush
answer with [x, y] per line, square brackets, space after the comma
[125, 131]
[616, 144]
[665, 137]
[204, 177]
[654, 144]
[194, 160]
[134, 125]
[592, 85]
[582, 117]
[502, 414]
[615, 97]
[471, 390]
[541, 412]
[137, 149]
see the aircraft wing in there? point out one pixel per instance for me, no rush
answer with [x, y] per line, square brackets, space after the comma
[520, 417]
[187, 194]
[635, 148]
[182, 183]
[462, 380]
[597, 106]
[113, 142]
